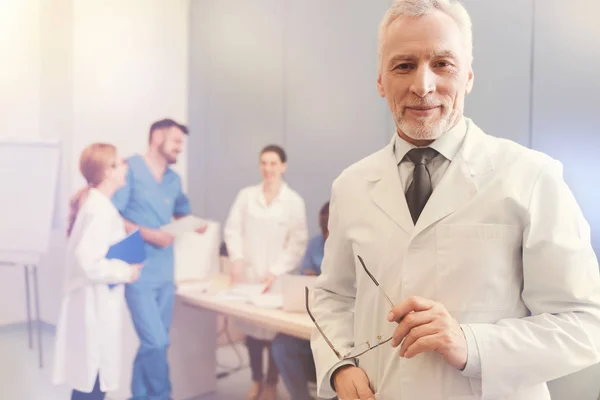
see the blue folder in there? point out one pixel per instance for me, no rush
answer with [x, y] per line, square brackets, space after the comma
[131, 250]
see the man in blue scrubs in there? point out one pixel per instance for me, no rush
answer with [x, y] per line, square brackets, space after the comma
[152, 197]
[293, 356]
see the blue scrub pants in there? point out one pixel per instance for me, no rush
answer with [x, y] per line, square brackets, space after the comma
[151, 308]
[296, 365]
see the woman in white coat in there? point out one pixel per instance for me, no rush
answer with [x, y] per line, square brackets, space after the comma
[266, 237]
[88, 337]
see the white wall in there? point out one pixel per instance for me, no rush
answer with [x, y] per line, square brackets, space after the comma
[130, 69]
[86, 71]
[20, 94]
[21, 65]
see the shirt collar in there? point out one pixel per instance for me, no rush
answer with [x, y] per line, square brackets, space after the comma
[281, 196]
[447, 145]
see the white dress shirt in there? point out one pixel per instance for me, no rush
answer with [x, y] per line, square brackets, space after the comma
[447, 147]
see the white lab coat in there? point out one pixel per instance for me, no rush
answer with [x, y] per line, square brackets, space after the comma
[502, 244]
[268, 238]
[89, 330]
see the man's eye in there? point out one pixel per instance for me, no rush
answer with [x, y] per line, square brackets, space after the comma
[404, 67]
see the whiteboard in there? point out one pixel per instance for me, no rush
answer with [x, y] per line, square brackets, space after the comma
[29, 172]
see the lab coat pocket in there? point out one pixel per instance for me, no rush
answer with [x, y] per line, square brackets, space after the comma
[478, 266]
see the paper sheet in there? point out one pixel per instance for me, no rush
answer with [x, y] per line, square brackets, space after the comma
[251, 293]
[184, 225]
[194, 287]
[248, 289]
[197, 256]
[268, 300]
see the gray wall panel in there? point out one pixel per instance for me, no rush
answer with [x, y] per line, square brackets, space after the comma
[334, 115]
[566, 121]
[500, 100]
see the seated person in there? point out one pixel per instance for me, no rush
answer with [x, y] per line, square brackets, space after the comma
[293, 356]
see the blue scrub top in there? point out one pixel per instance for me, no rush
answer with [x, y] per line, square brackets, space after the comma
[152, 204]
[313, 258]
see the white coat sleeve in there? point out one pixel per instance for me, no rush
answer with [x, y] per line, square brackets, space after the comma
[333, 298]
[234, 228]
[296, 240]
[90, 252]
[561, 290]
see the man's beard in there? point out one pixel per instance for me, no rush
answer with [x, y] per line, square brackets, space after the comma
[427, 128]
[171, 159]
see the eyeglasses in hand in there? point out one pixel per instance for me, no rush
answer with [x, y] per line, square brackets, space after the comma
[357, 350]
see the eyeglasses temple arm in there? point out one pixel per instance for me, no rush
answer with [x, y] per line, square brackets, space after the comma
[375, 281]
[337, 353]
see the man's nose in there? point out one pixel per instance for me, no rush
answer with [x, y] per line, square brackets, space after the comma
[424, 82]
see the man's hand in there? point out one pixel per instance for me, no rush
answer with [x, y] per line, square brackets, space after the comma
[236, 272]
[268, 282]
[161, 239]
[136, 271]
[352, 383]
[425, 325]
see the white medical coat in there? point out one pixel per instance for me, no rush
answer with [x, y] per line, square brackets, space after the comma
[501, 243]
[268, 238]
[89, 330]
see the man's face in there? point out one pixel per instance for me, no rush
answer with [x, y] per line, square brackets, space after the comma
[171, 143]
[425, 74]
[271, 167]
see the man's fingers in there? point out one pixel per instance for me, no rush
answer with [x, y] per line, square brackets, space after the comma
[409, 322]
[353, 385]
[347, 392]
[415, 334]
[364, 391]
[410, 304]
[424, 343]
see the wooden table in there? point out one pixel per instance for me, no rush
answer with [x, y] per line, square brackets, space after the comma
[293, 324]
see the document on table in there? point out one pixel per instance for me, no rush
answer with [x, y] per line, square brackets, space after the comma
[194, 287]
[240, 292]
[251, 293]
[268, 300]
[184, 225]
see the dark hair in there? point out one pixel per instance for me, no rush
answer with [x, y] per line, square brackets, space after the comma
[324, 209]
[223, 250]
[273, 148]
[167, 123]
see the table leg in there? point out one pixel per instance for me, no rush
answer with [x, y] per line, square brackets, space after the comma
[28, 304]
[37, 312]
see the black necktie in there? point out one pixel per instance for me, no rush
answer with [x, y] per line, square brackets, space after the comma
[420, 188]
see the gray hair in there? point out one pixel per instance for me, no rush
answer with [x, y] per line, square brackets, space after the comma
[417, 8]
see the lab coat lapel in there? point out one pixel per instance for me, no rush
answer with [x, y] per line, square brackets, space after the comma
[387, 192]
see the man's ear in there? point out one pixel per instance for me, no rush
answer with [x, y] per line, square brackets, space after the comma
[470, 81]
[380, 86]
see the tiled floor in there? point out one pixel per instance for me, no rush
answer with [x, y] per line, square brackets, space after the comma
[21, 379]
